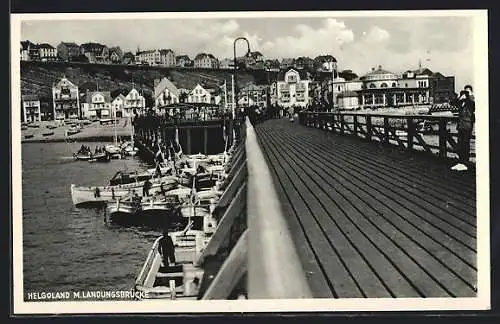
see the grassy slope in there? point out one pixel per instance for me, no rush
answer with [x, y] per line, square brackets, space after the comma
[37, 78]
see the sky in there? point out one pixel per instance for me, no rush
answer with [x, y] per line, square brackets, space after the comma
[443, 44]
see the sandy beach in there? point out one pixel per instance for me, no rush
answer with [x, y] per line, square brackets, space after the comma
[91, 132]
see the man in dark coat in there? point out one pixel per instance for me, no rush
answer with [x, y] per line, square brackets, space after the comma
[465, 124]
[167, 249]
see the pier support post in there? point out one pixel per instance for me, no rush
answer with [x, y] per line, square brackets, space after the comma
[368, 121]
[410, 133]
[188, 138]
[205, 139]
[442, 138]
[386, 130]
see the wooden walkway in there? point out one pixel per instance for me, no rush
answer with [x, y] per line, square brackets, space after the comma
[372, 221]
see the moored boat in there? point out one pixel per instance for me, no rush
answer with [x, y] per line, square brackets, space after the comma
[72, 131]
[99, 157]
[48, 133]
[82, 195]
[28, 136]
[122, 210]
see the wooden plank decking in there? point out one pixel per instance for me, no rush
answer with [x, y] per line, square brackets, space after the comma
[371, 221]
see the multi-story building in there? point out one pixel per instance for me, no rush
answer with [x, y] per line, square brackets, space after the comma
[167, 57]
[134, 101]
[272, 65]
[47, 52]
[26, 50]
[293, 88]
[207, 61]
[165, 93]
[303, 62]
[97, 105]
[30, 108]
[95, 52]
[343, 92]
[149, 57]
[183, 61]
[287, 63]
[115, 55]
[117, 105]
[226, 64]
[65, 99]
[128, 58]
[257, 93]
[68, 51]
[199, 95]
[442, 88]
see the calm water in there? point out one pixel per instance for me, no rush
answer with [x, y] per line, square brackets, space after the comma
[68, 248]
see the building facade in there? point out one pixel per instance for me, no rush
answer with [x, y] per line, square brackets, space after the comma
[226, 64]
[133, 101]
[167, 57]
[27, 49]
[68, 51]
[97, 105]
[115, 55]
[183, 61]
[149, 57]
[165, 93]
[128, 58]
[66, 100]
[95, 53]
[293, 89]
[206, 61]
[117, 105]
[257, 93]
[199, 95]
[47, 52]
[31, 108]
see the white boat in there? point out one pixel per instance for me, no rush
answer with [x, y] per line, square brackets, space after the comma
[182, 193]
[122, 209]
[159, 206]
[114, 151]
[100, 194]
[163, 281]
[208, 198]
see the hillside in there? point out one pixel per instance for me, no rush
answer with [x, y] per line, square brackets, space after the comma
[37, 77]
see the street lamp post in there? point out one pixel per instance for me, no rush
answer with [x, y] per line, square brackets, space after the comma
[235, 103]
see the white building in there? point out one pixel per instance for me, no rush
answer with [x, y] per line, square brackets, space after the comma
[133, 100]
[199, 95]
[65, 99]
[117, 105]
[31, 108]
[165, 93]
[97, 105]
[293, 89]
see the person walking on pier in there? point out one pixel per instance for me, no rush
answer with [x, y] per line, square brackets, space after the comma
[167, 249]
[465, 125]
[146, 187]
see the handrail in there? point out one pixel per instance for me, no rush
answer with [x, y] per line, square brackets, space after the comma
[274, 269]
[147, 265]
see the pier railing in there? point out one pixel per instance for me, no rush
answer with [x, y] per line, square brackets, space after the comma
[435, 135]
[259, 255]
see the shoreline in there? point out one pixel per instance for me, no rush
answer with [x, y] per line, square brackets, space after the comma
[89, 138]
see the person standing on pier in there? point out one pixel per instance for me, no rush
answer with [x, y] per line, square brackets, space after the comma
[465, 125]
[167, 249]
[146, 187]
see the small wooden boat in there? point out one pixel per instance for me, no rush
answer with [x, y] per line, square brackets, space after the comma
[182, 193]
[113, 151]
[34, 125]
[164, 281]
[28, 136]
[124, 210]
[162, 210]
[100, 157]
[82, 156]
[122, 177]
[72, 131]
[49, 133]
[82, 195]
[51, 126]
[24, 127]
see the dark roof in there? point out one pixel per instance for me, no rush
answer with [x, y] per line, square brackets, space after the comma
[30, 98]
[201, 56]
[45, 45]
[128, 54]
[378, 71]
[185, 57]
[93, 47]
[303, 74]
[26, 44]
[70, 44]
[166, 51]
[325, 58]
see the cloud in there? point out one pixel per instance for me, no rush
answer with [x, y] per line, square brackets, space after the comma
[307, 41]
[375, 35]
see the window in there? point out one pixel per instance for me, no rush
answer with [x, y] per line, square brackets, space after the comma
[372, 85]
[383, 85]
[394, 84]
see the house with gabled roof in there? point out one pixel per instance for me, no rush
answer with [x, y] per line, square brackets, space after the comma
[183, 61]
[167, 57]
[206, 60]
[65, 99]
[95, 52]
[165, 92]
[68, 51]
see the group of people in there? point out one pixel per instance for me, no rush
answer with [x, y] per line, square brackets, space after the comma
[84, 149]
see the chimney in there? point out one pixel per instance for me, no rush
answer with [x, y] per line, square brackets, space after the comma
[373, 69]
[380, 67]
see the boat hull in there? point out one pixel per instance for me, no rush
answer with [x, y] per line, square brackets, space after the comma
[82, 195]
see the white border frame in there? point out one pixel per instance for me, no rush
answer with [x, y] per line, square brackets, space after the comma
[481, 302]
